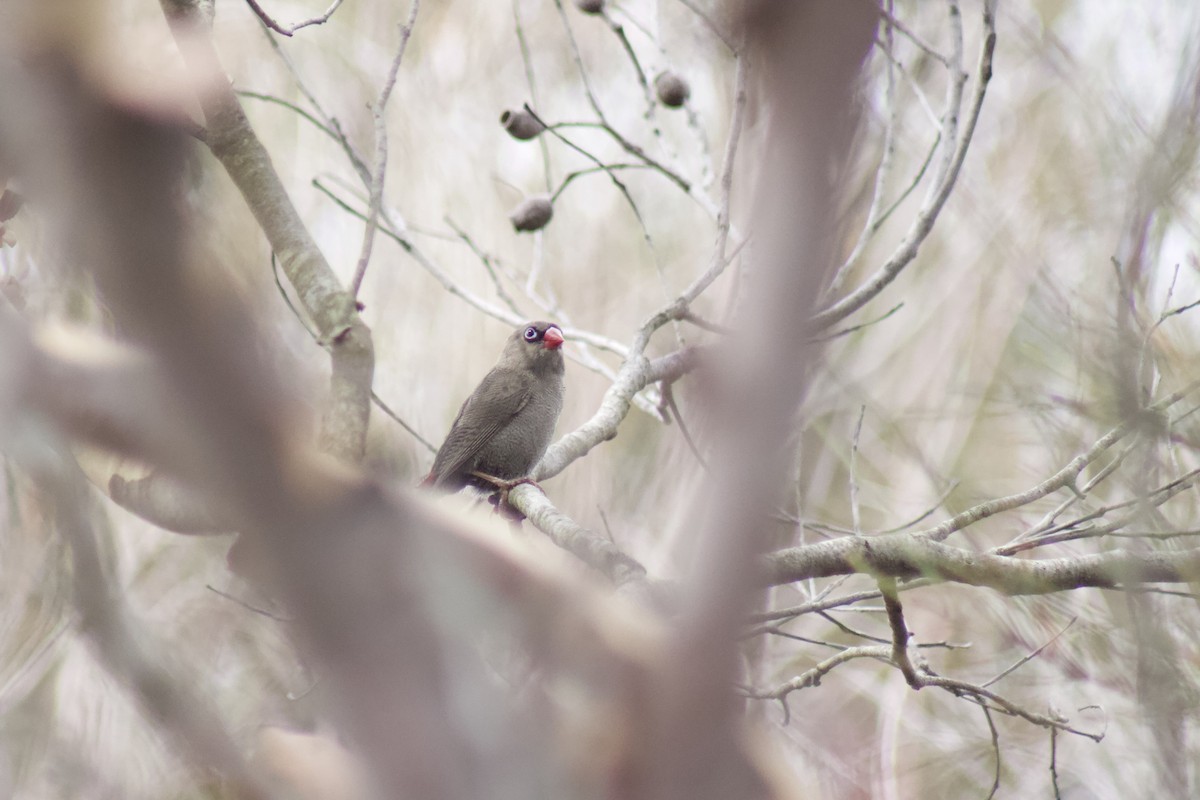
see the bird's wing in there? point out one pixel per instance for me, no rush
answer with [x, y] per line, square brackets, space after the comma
[493, 405]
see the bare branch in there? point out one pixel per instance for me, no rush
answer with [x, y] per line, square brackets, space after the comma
[396, 233]
[883, 171]
[961, 688]
[911, 556]
[598, 552]
[900, 634]
[954, 154]
[1026, 659]
[233, 141]
[812, 677]
[633, 376]
[818, 605]
[1065, 477]
[531, 79]
[718, 30]
[288, 30]
[386, 409]
[854, 510]
[378, 176]
[987, 714]
[913, 37]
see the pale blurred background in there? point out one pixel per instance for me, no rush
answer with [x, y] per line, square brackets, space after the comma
[996, 371]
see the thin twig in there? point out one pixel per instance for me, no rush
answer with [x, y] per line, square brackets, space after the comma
[531, 80]
[963, 688]
[918, 176]
[1064, 477]
[777, 631]
[913, 37]
[375, 398]
[845, 628]
[288, 30]
[270, 98]
[331, 125]
[987, 714]
[396, 417]
[717, 30]
[821, 604]
[926, 513]
[1145, 348]
[579, 173]
[813, 676]
[673, 176]
[1046, 523]
[579, 67]
[619, 32]
[668, 397]
[700, 322]
[883, 171]
[1026, 659]
[900, 634]
[608, 170]
[486, 260]
[394, 233]
[248, 606]
[954, 154]
[1071, 531]
[854, 328]
[1054, 763]
[736, 122]
[378, 176]
[854, 510]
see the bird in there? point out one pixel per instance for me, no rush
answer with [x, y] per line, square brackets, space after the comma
[505, 425]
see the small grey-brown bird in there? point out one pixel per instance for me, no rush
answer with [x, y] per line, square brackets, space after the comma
[504, 427]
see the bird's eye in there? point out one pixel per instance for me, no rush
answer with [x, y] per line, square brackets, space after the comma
[531, 334]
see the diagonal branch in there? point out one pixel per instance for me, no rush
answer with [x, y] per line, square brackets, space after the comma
[234, 143]
[955, 153]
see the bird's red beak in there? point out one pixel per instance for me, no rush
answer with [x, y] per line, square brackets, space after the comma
[552, 339]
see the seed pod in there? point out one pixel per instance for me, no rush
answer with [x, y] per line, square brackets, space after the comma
[590, 6]
[672, 90]
[520, 124]
[532, 214]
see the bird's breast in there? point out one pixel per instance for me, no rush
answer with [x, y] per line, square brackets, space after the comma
[517, 448]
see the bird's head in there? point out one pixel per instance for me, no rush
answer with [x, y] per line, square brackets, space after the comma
[537, 346]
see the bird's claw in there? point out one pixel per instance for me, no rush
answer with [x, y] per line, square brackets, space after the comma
[500, 499]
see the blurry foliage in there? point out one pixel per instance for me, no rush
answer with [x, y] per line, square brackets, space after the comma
[997, 370]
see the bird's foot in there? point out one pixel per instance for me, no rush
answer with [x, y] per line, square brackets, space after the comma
[500, 499]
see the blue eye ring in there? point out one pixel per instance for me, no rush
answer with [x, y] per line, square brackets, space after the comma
[531, 334]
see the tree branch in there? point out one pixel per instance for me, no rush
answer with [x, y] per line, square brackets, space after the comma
[910, 556]
[288, 30]
[379, 174]
[956, 153]
[233, 142]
